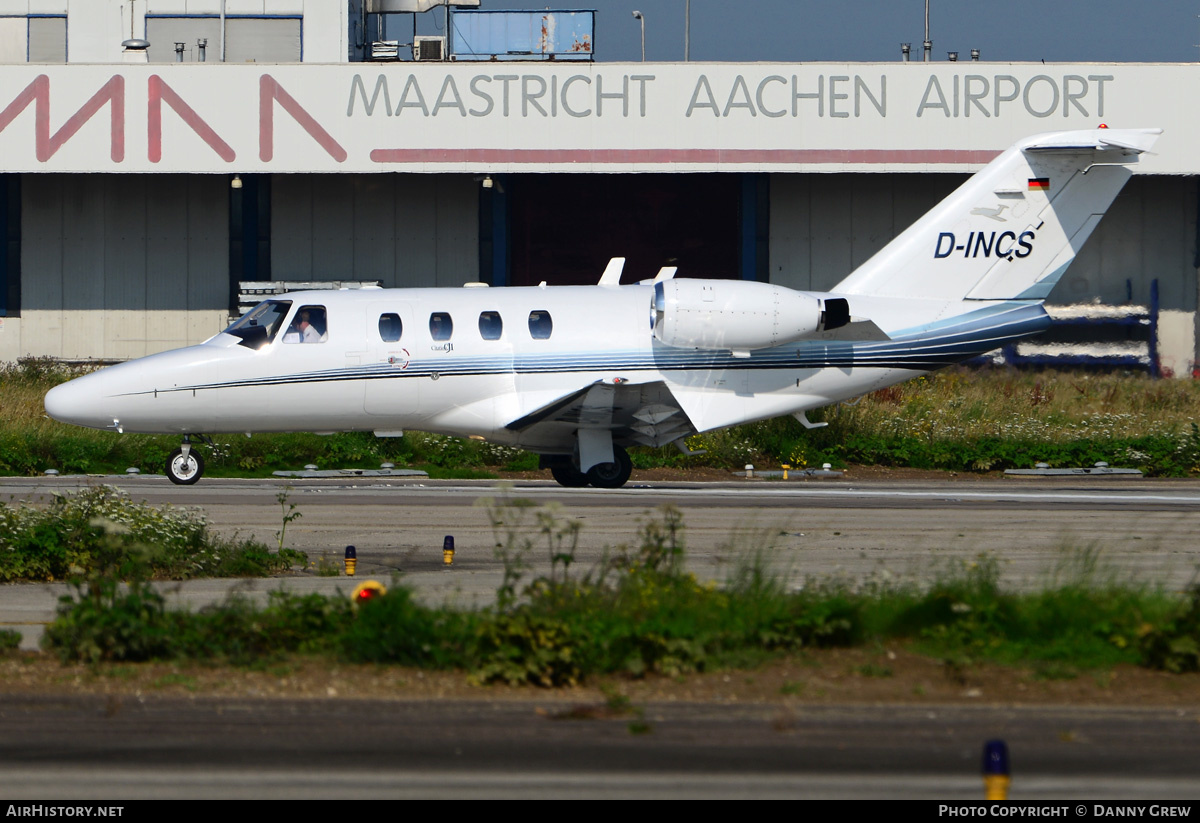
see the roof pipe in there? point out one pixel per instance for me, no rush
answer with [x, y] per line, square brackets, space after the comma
[928, 43]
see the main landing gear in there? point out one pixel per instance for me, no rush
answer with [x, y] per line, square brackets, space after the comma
[185, 466]
[602, 475]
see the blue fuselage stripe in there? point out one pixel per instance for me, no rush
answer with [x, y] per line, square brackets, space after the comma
[921, 349]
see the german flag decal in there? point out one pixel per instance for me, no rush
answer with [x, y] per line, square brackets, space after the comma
[1039, 184]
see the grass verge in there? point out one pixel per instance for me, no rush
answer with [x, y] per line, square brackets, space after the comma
[959, 419]
[100, 533]
[638, 612]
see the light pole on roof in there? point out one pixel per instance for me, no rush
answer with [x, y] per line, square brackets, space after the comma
[638, 16]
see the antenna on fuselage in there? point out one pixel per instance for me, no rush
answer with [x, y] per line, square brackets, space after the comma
[612, 272]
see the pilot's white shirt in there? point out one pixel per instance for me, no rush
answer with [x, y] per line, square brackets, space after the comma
[309, 335]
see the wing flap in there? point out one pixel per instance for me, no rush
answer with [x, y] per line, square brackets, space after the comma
[636, 413]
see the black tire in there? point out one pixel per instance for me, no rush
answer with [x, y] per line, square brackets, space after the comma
[185, 472]
[611, 475]
[567, 475]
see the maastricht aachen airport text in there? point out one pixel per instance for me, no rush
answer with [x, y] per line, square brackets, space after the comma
[774, 95]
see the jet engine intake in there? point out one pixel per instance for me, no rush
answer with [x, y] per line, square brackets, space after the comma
[740, 315]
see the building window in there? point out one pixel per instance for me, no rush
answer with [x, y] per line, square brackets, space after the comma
[33, 39]
[247, 39]
[10, 245]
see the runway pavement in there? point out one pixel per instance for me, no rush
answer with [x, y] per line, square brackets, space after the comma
[62, 748]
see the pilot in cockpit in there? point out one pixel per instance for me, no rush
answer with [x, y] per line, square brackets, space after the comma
[303, 330]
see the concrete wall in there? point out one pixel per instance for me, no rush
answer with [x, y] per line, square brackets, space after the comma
[402, 229]
[118, 266]
[1148, 233]
[96, 28]
[824, 226]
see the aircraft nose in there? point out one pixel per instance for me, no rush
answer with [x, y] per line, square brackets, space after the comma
[74, 402]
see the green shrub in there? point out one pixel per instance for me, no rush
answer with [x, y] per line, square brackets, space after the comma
[109, 622]
[101, 529]
[522, 647]
[395, 628]
[638, 612]
[1174, 646]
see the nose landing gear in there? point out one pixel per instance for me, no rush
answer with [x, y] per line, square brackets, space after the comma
[184, 466]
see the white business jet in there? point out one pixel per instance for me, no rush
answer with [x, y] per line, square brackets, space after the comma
[578, 373]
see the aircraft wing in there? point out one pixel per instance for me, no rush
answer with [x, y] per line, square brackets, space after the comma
[645, 414]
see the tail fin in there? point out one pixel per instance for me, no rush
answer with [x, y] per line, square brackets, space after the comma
[1012, 229]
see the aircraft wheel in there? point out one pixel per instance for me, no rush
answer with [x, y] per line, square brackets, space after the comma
[185, 471]
[567, 475]
[611, 475]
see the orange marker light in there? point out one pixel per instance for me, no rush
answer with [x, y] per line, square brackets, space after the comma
[368, 590]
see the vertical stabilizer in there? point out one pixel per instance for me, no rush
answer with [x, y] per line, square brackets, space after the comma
[1011, 230]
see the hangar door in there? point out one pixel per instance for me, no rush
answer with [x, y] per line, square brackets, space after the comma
[563, 228]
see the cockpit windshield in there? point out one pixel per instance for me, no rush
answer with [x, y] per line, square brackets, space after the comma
[258, 327]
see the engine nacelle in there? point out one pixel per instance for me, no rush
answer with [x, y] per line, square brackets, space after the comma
[739, 314]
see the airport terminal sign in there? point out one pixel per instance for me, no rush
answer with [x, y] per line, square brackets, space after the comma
[610, 117]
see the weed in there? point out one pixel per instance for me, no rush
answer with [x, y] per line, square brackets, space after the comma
[175, 679]
[99, 530]
[615, 701]
[637, 612]
[288, 514]
[10, 641]
[323, 566]
[874, 670]
[508, 518]
[1054, 670]
[104, 622]
[1175, 644]
[958, 419]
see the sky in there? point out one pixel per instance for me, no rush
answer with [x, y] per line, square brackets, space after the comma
[1058, 31]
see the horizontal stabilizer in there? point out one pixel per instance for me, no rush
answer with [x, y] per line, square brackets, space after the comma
[1135, 141]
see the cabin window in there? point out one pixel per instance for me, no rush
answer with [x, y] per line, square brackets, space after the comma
[490, 325]
[441, 327]
[308, 326]
[540, 325]
[390, 327]
[258, 327]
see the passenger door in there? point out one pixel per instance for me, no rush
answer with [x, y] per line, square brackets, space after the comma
[392, 372]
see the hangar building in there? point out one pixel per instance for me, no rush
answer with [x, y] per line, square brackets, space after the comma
[158, 155]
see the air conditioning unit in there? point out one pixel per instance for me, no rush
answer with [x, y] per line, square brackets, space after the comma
[429, 48]
[385, 50]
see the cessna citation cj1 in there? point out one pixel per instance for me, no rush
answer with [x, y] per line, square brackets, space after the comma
[578, 373]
